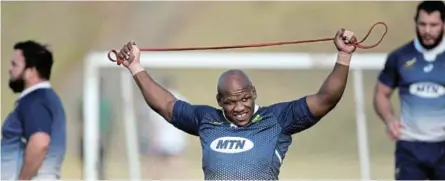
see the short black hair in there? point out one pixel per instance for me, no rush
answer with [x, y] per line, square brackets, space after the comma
[36, 56]
[430, 7]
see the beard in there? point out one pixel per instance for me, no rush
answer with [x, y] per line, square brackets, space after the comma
[436, 42]
[17, 85]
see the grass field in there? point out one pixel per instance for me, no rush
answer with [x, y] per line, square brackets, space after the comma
[327, 151]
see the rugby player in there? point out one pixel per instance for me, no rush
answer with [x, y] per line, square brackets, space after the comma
[418, 70]
[243, 141]
[33, 134]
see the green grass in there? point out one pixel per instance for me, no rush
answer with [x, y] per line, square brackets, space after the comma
[326, 151]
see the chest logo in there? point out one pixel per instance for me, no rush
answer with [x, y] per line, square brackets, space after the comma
[427, 90]
[428, 68]
[231, 145]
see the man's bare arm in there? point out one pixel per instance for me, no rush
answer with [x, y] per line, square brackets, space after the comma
[158, 98]
[382, 102]
[35, 153]
[331, 90]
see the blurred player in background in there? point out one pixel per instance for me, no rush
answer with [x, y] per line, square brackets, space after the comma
[418, 70]
[167, 142]
[243, 141]
[34, 133]
[105, 127]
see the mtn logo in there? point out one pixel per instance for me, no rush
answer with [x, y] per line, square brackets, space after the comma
[231, 145]
[427, 90]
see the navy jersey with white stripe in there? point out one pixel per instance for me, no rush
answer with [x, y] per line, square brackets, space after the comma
[254, 152]
[420, 77]
[40, 110]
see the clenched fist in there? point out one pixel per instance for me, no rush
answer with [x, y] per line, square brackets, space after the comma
[394, 128]
[343, 41]
[130, 53]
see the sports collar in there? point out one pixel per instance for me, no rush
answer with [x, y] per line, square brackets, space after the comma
[41, 85]
[233, 125]
[430, 55]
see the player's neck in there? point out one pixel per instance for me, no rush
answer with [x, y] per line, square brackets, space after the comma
[32, 82]
[439, 48]
[32, 85]
[431, 53]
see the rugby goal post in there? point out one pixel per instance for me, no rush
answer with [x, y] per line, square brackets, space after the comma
[96, 60]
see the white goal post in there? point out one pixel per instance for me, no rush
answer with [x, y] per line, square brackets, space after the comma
[200, 59]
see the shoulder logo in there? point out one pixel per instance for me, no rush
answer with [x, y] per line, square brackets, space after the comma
[257, 118]
[410, 63]
[216, 122]
[427, 90]
[231, 145]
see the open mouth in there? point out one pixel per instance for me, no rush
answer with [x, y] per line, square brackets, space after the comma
[241, 116]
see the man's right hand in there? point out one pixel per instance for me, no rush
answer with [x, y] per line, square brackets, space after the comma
[394, 128]
[131, 53]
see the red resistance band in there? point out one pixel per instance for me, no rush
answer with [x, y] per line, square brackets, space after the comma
[358, 44]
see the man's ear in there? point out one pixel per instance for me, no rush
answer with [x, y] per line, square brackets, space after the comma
[254, 93]
[219, 100]
[29, 72]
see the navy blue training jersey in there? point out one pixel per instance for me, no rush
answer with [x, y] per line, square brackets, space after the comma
[420, 77]
[39, 109]
[254, 152]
